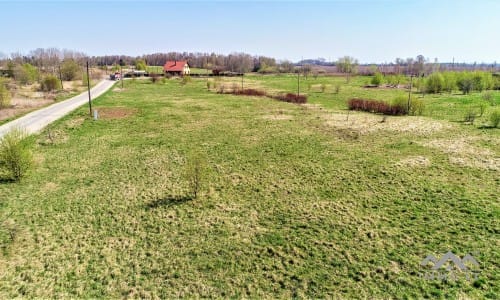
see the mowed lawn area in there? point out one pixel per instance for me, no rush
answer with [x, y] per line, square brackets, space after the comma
[300, 200]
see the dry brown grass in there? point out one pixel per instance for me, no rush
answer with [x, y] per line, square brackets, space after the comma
[414, 161]
[27, 98]
[367, 123]
[74, 123]
[111, 113]
[22, 106]
[463, 151]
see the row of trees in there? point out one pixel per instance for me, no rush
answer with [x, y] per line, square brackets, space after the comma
[26, 73]
[49, 59]
[465, 82]
[419, 66]
[235, 62]
[47, 67]
[438, 82]
[46, 60]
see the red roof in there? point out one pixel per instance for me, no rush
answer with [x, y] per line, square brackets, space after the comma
[174, 66]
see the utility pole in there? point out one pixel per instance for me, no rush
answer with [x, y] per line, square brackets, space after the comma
[409, 92]
[298, 76]
[298, 83]
[121, 75]
[242, 81]
[60, 78]
[88, 88]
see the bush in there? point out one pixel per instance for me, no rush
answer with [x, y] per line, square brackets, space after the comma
[470, 116]
[185, 79]
[419, 84]
[140, 64]
[196, 173]
[449, 81]
[70, 70]
[434, 83]
[489, 82]
[50, 83]
[26, 74]
[488, 97]
[291, 98]
[154, 78]
[417, 107]
[249, 92]
[496, 82]
[15, 154]
[482, 81]
[393, 80]
[478, 83]
[4, 95]
[495, 118]
[399, 106]
[377, 79]
[482, 109]
[337, 88]
[323, 87]
[465, 83]
[374, 106]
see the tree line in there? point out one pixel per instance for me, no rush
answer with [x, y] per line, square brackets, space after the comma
[51, 59]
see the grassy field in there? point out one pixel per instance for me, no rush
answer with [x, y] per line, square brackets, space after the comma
[155, 69]
[301, 200]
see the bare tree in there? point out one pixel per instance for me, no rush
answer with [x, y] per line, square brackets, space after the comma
[286, 67]
[347, 65]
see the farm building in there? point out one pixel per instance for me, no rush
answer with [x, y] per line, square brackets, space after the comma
[176, 68]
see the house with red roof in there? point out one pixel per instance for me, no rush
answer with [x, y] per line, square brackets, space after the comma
[179, 68]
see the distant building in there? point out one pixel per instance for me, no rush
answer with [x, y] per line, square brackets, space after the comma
[179, 68]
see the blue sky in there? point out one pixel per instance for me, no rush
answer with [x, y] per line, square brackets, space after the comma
[370, 30]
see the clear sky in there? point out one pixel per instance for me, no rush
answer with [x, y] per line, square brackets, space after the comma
[370, 30]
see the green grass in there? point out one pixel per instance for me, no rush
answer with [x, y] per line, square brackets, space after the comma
[200, 71]
[298, 203]
[155, 69]
[445, 106]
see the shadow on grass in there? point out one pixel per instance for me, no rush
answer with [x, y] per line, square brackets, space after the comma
[486, 127]
[168, 201]
[6, 180]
